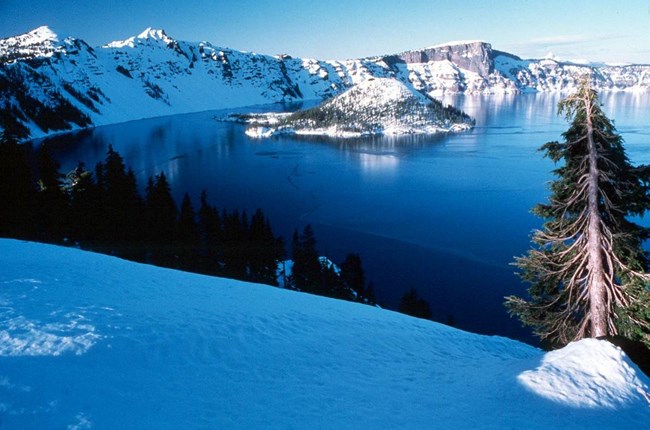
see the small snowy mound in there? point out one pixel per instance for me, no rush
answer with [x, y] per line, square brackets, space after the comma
[91, 341]
[375, 106]
[590, 373]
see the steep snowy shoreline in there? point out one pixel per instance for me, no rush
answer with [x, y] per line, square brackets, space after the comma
[88, 340]
[54, 83]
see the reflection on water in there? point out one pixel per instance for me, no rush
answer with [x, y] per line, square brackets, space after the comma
[444, 214]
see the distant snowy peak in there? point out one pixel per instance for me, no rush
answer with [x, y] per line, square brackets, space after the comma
[149, 34]
[41, 42]
[155, 33]
[39, 35]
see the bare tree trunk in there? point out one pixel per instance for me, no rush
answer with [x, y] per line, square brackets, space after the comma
[596, 283]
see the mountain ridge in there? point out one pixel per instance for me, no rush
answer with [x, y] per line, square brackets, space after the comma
[50, 83]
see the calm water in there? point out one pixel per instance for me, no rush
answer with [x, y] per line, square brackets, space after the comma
[443, 214]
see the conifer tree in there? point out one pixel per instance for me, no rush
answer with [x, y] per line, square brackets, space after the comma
[352, 273]
[306, 265]
[52, 201]
[187, 235]
[84, 202]
[588, 270]
[17, 189]
[233, 243]
[414, 305]
[161, 214]
[210, 232]
[121, 206]
[265, 250]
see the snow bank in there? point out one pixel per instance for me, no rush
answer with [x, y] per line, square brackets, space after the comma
[590, 373]
[88, 340]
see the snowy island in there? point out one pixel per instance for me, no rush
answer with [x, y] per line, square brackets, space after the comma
[378, 106]
[92, 341]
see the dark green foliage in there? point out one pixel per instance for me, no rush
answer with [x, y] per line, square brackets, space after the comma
[318, 275]
[587, 269]
[51, 200]
[57, 113]
[104, 212]
[412, 304]
[306, 265]
[187, 236]
[210, 232]
[121, 207]
[160, 215]
[85, 100]
[17, 189]
[124, 71]
[234, 244]
[85, 204]
[12, 121]
[265, 250]
[354, 279]
[154, 91]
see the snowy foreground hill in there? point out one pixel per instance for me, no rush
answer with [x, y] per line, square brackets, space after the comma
[91, 341]
[51, 82]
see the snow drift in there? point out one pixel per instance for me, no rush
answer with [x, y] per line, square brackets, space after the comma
[88, 340]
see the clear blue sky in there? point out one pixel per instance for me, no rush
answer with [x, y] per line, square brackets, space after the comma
[616, 31]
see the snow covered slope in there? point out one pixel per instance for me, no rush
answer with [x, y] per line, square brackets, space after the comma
[50, 83]
[91, 341]
[376, 106]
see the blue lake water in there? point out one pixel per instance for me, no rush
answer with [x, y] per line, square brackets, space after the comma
[443, 214]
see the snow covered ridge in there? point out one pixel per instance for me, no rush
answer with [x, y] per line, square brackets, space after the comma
[380, 106]
[158, 348]
[53, 83]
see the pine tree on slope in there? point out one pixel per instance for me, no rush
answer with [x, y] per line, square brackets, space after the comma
[587, 270]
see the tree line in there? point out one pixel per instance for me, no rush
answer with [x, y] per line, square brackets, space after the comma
[103, 211]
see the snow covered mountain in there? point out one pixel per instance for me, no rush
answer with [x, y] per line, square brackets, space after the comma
[372, 107]
[91, 341]
[50, 83]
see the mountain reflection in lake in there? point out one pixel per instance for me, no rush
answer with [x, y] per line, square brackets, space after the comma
[444, 214]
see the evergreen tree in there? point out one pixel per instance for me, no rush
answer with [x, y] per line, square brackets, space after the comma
[161, 214]
[234, 242]
[52, 201]
[120, 223]
[587, 269]
[210, 232]
[414, 305]
[306, 264]
[187, 234]
[265, 250]
[84, 202]
[354, 279]
[17, 189]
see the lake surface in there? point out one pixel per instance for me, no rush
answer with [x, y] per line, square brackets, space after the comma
[442, 214]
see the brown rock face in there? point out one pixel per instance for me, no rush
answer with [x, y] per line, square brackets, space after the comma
[473, 56]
